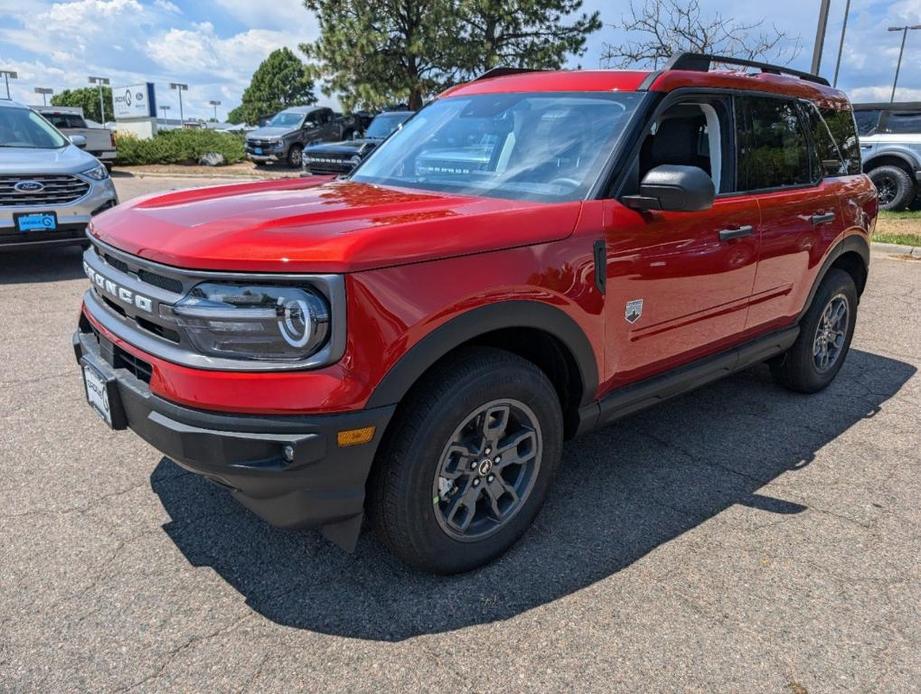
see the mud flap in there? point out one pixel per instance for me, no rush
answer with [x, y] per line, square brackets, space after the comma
[345, 533]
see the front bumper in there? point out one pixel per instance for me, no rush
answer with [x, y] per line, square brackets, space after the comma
[73, 219]
[322, 485]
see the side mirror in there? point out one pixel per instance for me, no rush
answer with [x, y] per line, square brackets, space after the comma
[78, 141]
[674, 187]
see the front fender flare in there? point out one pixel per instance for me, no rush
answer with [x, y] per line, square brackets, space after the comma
[480, 321]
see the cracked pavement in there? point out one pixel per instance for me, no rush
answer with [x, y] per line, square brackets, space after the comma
[738, 538]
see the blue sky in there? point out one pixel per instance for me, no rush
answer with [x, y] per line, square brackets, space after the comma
[215, 45]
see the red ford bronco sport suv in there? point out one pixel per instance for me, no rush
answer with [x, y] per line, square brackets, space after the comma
[532, 255]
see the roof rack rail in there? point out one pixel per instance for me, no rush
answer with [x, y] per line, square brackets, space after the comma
[701, 62]
[503, 71]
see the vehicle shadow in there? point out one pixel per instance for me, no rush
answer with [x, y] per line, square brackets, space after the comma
[621, 492]
[22, 266]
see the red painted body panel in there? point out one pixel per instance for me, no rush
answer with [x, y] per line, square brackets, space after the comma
[318, 225]
[386, 318]
[695, 288]
[414, 260]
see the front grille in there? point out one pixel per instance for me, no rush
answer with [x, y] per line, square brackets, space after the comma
[58, 190]
[167, 283]
[328, 165]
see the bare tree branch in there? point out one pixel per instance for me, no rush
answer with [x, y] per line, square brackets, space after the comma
[666, 27]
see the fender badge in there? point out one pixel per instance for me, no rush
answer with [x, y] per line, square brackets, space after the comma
[633, 311]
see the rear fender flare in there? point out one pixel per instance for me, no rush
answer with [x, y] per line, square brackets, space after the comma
[854, 243]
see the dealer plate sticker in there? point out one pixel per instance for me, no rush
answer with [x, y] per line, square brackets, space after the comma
[96, 393]
[37, 221]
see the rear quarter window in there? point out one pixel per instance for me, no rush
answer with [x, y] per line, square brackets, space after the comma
[835, 135]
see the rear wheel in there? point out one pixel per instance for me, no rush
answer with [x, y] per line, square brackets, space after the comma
[468, 464]
[895, 187]
[824, 339]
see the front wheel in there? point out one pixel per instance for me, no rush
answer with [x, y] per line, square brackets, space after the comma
[824, 339]
[468, 464]
[295, 156]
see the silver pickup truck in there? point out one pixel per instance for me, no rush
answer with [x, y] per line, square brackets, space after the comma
[890, 146]
[100, 142]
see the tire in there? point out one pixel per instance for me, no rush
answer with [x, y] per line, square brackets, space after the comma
[804, 367]
[895, 187]
[423, 487]
[295, 156]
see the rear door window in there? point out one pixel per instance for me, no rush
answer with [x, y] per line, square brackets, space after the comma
[774, 151]
[867, 121]
[903, 123]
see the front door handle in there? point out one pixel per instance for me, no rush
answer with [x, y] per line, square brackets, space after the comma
[726, 234]
[823, 218]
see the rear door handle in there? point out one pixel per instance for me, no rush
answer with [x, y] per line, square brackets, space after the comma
[823, 218]
[726, 234]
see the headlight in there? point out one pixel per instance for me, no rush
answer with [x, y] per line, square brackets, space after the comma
[252, 322]
[97, 173]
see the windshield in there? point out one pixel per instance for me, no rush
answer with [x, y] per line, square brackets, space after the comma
[286, 120]
[547, 147]
[20, 127]
[383, 125]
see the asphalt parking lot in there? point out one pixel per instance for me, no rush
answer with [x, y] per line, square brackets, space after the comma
[739, 538]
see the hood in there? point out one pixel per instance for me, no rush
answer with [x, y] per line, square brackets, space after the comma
[346, 147]
[265, 133]
[318, 224]
[31, 161]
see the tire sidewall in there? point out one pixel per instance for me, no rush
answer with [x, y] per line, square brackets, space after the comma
[836, 282]
[526, 385]
[295, 150]
[905, 186]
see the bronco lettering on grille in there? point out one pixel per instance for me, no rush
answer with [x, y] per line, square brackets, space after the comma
[117, 291]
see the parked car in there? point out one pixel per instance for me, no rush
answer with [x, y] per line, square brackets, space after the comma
[284, 137]
[890, 142]
[415, 342]
[100, 141]
[49, 187]
[342, 157]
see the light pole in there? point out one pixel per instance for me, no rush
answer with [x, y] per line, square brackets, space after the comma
[898, 65]
[847, 10]
[44, 91]
[164, 108]
[7, 76]
[180, 87]
[820, 37]
[215, 104]
[100, 81]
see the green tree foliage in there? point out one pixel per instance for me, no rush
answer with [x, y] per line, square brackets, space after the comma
[522, 33]
[88, 99]
[282, 80]
[373, 54]
[377, 53]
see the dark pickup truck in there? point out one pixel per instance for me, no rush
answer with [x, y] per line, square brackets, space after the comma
[286, 135]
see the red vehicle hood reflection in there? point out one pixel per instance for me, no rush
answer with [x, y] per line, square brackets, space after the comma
[322, 225]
